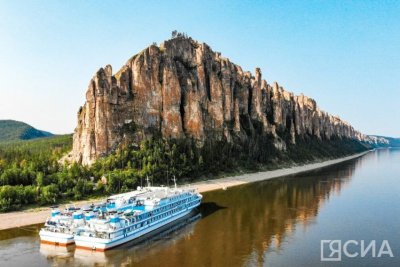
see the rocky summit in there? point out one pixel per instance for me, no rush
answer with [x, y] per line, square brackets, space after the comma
[182, 89]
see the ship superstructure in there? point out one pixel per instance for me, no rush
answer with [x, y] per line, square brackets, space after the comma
[119, 219]
[61, 227]
[154, 209]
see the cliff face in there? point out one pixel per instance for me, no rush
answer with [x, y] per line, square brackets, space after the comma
[183, 89]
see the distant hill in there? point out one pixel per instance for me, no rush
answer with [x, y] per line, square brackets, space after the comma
[394, 142]
[391, 141]
[11, 130]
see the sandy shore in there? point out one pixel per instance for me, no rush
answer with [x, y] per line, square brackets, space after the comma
[225, 183]
[28, 217]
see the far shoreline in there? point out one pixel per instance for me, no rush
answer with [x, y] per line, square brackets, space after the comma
[17, 219]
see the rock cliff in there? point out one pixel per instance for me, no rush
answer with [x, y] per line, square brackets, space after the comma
[183, 89]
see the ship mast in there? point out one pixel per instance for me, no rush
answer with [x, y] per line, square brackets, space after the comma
[175, 182]
[148, 181]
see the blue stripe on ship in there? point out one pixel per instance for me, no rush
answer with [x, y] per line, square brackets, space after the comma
[141, 230]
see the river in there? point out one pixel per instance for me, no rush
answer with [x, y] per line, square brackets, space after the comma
[279, 222]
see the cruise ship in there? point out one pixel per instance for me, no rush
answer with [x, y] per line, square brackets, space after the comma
[154, 208]
[120, 219]
[61, 227]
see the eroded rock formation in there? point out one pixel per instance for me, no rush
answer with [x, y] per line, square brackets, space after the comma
[183, 89]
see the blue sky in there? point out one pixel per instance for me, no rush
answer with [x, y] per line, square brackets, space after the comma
[344, 54]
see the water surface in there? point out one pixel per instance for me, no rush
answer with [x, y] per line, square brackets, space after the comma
[278, 222]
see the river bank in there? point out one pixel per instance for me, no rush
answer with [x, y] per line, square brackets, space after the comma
[35, 216]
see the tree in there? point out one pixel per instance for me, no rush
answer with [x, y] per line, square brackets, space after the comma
[29, 194]
[40, 179]
[49, 194]
[8, 195]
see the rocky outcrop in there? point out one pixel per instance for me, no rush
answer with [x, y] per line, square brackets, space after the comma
[183, 89]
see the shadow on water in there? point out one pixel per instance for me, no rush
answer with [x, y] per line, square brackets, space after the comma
[30, 230]
[208, 208]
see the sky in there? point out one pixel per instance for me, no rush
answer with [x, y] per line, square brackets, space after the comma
[344, 54]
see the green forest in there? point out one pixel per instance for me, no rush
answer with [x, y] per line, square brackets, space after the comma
[31, 174]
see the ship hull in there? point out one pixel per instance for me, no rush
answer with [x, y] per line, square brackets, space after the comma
[98, 244]
[58, 239]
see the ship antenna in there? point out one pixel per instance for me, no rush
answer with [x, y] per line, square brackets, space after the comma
[174, 181]
[167, 179]
[148, 182]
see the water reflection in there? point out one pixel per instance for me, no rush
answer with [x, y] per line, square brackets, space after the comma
[58, 254]
[261, 216]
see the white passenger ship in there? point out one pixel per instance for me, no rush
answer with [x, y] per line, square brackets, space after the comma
[120, 219]
[61, 227]
[155, 208]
